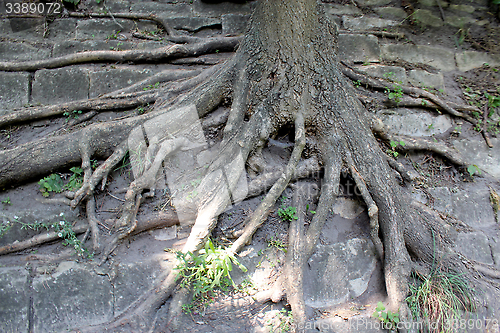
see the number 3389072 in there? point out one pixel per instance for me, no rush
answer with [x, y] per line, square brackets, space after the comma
[33, 8]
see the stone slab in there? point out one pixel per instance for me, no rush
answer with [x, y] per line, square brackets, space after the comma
[216, 9]
[72, 296]
[337, 272]
[414, 122]
[23, 51]
[368, 3]
[14, 89]
[27, 28]
[358, 48]
[393, 73]
[161, 9]
[476, 152]
[73, 46]
[471, 207]
[459, 21]
[234, 24]
[463, 8]
[62, 29]
[390, 12]
[109, 80]
[428, 18]
[421, 78]
[105, 29]
[437, 57]
[475, 246]
[192, 24]
[336, 9]
[433, 3]
[14, 296]
[47, 87]
[366, 23]
[133, 279]
[468, 60]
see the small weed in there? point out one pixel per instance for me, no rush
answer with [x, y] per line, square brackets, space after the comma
[75, 180]
[310, 211]
[277, 243]
[396, 94]
[114, 35]
[288, 213]
[6, 201]
[72, 114]
[473, 169]
[51, 183]
[430, 127]
[393, 151]
[151, 86]
[389, 319]
[206, 271]
[285, 322]
[357, 83]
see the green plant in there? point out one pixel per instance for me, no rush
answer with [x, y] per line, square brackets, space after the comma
[438, 300]
[114, 35]
[394, 145]
[75, 180]
[288, 213]
[389, 319]
[208, 270]
[396, 94]
[473, 169]
[285, 321]
[357, 83]
[277, 243]
[310, 211]
[51, 183]
[151, 86]
[73, 114]
[6, 201]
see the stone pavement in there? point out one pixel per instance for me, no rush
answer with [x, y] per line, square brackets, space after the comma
[50, 298]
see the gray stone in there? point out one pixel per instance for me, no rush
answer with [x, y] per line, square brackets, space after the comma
[338, 272]
[23, 51]
[366, 23]
[234, 24]
[432, 3]
[348, 208]
[208, 9]
[192, 24]
[358, 48]
[114, 6]
[468, 60]
[74, 46]
[437, 57]
[27, 28]
[427, 17]
[495, 247]
[459, 21]
[413, 122]
[390, 12]
[393, 73]
[99, 28]
[165, 233]
[421, 78]
[373, 2]
[335, 9]
[14, 89]
[475, 151]
[109, 80]
[62, 29]
[471, 207]
[475, 246]
[47, 87]
[463, 8]
[71, 296]
[133, 279]
[15, 300]
[5, 29]
[163, 10]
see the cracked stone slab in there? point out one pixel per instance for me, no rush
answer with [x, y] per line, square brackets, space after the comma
[366, 23]
[437, 57]
[192, 24]
[47, 87]
[475, 151]
[336, 9]
[109, 80]
[414, 122]
[217, 9]
[234, 24]
[161, 9]
[359, 48]
[98, 28]
[468, 60]
[475, 246]
[71, 296]
[337, 272]
[390, 12]
[24, 51]
[62, 29]
[26, 28]
[471, 207]
[14, 89]
[421, 78]
[15, 299]
[427, 17]
[394, 73]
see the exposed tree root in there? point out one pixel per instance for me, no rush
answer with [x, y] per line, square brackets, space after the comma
[137, 56]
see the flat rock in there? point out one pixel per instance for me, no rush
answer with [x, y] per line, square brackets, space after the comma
[415, 122]
[192, 24]
[62, 29]
[234, 24]
[14, 89]
[15, 299]
[472, 207]
[348, 208]
[463, 8]
[367, 3]
[390, 12]
[421, 78]
[109, 80]
[24, 51]
[393, 73]
[359, 48]
[161, 9]
[72, 296]
[47, 87]
[98, 28]
[468, 60]
[459, 21]
[476, 152]
[433, 3]
[475, 246]
[216, 9]
[336, 9]
[366, 23]
[428, 18]
[437, 57]
[26, 28]
[338, 272]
